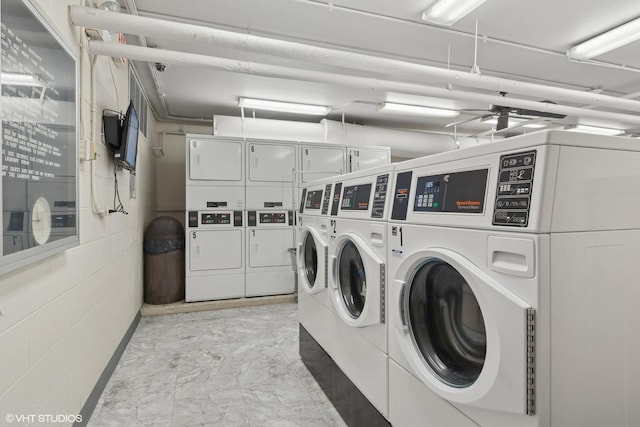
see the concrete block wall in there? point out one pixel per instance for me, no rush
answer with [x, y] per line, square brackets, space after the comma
[62, 318]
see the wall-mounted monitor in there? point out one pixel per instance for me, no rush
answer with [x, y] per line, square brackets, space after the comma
[127, 153]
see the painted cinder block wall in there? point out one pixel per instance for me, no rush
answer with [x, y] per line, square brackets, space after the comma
[62, 318]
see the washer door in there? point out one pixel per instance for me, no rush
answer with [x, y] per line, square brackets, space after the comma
[463, 334]
[446, 324]
[358, 282]
[312, 258]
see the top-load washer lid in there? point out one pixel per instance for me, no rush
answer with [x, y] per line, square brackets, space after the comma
[446, 324]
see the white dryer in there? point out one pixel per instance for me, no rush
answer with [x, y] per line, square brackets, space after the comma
[314, 302]
[513, 284]
[269, 237]
[271, 178]
[357, 284]
[360, 157]
[318, 161]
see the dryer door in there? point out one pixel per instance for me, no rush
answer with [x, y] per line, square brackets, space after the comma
[358, 282]
[312, 261]
[464, 335]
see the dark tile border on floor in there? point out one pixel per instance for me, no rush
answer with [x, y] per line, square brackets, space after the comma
[351, 404]
[92, 400]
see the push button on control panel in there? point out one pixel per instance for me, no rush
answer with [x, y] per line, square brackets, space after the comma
[513, 194]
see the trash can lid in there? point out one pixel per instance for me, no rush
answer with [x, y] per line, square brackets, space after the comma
[164, 227]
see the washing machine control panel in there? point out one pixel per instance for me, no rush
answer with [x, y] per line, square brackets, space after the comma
[266, 219]
[456, 192]
[337, 194]
[314, 199]
[213, 219]
[326, 199]
[380, 196]
[356, 197]
[513, 195]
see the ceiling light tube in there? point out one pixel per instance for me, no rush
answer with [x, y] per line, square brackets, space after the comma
[284, 107]
[605, 42]
[20, 79]
[416, 109]
[595, 130]
[448, 12]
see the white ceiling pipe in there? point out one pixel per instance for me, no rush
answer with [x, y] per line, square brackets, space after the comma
[138, 53]
[131, 24]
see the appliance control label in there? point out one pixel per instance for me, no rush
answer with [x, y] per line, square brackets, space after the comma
[380, 196]
[337, 192]
[314, 199]
[401, 195]
[273, 218]
[326, 199]
[459, 192]
[215, 218]
[513, 195]
[356, 197]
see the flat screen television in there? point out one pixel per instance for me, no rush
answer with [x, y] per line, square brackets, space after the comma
[127, 153]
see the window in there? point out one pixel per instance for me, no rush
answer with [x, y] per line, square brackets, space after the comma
[136, 94]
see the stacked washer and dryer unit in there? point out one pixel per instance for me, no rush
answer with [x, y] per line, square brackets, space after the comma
[270, 192]
[513, 284]
[215, 232]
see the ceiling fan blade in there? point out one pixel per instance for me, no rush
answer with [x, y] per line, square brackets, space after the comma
[459, 122]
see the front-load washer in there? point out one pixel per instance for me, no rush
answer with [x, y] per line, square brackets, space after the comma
[513, 284]
[214, 255]
[312, 249]
[357, 285]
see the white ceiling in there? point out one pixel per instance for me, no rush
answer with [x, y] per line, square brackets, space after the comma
[518, 40]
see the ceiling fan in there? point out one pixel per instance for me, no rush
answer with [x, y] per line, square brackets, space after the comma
[503, 113]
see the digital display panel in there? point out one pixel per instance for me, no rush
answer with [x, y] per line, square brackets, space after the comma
[356, 197]
[314, 199]
[452, 192]
[215, 218]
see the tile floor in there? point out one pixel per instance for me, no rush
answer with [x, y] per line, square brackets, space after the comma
[233, 367]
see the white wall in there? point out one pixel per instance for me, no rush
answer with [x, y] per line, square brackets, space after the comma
[62, 318]
[171, 167]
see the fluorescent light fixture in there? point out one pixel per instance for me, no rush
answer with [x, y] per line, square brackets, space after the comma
[595, 130]
[516, 122]
[285, 107]
[610, 40]
[391, 107]
[20, 79]
[448, 12]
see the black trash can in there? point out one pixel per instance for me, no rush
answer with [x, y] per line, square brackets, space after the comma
[164, 261]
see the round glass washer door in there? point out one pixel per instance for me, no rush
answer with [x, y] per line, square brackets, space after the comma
[446, 324]
[352, 279]
[310, 260]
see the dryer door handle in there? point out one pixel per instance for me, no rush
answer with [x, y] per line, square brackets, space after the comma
[401, 302]
[334, 266]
